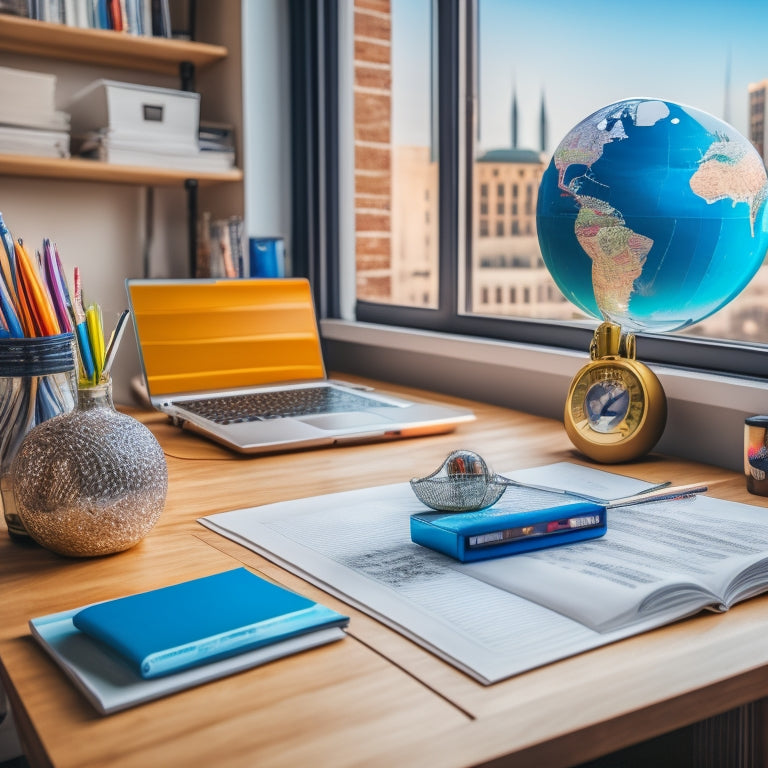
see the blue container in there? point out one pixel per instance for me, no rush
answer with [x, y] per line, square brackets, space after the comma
[266, 256]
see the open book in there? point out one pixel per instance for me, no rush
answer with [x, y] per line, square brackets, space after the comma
[658, 562]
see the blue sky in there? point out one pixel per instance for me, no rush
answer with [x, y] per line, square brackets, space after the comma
[585, 54]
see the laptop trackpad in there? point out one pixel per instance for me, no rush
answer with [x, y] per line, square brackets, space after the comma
[343, 420]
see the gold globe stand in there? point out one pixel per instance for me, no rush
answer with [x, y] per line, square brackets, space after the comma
[616, 409]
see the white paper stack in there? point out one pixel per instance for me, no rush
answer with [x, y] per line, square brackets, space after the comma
[30, 124]
[130, 124]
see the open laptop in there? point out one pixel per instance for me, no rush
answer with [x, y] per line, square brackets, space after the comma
[240, 362]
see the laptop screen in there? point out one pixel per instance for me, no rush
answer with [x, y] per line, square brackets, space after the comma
[210, 335]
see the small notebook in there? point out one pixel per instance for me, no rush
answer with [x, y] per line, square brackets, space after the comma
[172, 628]
[141, 647]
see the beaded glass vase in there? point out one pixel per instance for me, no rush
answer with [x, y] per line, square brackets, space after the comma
[91, 482]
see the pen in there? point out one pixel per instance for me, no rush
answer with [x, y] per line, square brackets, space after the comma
[56, 286]
[83, 344]
[113, 343]
[26, 316]
[32, 289]
[662, 494]
[8, 311]
[96, 337]
[7, 260]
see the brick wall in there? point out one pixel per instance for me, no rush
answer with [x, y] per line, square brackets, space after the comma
[373, 158]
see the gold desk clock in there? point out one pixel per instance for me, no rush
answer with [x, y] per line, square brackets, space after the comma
[616, 409]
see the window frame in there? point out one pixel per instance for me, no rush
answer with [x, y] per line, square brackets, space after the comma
[315, 99]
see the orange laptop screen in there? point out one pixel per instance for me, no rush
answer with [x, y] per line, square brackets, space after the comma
[203, 335]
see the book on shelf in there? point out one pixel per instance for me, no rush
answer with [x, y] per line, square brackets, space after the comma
[132, 649]
[18, 140]
[33, 99]
[658, 562]
[220, 247]
[15, 7]
[216, 137]
[101, 146]
[147, 18]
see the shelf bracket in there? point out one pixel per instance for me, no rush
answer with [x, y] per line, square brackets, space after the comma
[191, 186]
[187, 75]
[149, 229]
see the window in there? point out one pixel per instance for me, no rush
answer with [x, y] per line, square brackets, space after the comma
[445, 55]
[394, 155]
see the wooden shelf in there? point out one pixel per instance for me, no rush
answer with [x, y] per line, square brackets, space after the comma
[78, 169]
[104, 47]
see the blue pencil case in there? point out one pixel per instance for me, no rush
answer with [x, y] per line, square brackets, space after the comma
[468, 536]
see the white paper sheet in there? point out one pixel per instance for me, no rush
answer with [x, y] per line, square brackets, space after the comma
[357, 546]
[111, 685]
[596, 484]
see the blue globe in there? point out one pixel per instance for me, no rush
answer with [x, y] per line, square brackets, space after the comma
[653, 215]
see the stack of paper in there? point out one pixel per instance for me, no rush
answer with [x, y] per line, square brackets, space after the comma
[131, 124]
[218, 140]
[136, 648]
[31, 125]
[111, 147]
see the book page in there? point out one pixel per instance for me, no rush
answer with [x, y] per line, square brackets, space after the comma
[665, 559]
[595, 484]
[504, 616]
[357, 546]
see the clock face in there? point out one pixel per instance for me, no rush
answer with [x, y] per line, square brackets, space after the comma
[608, 399]
[606, 404]
[615, 410]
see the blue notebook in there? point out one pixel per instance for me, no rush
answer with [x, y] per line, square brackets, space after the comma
[185, 625]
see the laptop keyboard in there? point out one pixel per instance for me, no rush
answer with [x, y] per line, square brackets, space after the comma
[258, 406]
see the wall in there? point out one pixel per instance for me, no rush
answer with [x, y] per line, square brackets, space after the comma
[101, 227]
[267, 120]
[98, 227]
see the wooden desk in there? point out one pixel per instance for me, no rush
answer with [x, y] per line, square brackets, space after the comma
[375, 698]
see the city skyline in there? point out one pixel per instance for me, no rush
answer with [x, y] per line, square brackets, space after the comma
[698, 55]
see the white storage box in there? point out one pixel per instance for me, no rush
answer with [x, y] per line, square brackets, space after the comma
[130, 111]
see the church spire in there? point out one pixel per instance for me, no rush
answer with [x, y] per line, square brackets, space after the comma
[543, 138]
[514, 117]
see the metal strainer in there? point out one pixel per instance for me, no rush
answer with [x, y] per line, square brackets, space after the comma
[465, 483]
[462, 483]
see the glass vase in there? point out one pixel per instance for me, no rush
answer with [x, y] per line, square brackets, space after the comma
[37, 382]
[91, 482]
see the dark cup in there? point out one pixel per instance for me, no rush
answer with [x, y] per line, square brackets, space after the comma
[756, 454]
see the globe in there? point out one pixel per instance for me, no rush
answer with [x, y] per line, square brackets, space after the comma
[652, 215]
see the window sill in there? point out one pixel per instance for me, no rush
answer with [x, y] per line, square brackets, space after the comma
[706, 412]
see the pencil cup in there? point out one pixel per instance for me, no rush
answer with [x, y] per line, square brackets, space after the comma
[756, 454]
[37, 382]
[92, 481]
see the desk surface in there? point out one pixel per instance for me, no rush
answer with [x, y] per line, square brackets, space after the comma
[376, 698]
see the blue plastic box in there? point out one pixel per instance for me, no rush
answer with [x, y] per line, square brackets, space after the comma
[468, 536]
